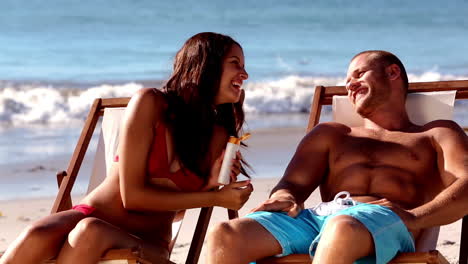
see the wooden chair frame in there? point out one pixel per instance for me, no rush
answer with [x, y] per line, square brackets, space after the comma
[66, 180]
[323, 96]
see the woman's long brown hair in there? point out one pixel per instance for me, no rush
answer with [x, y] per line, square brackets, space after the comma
[191, 92]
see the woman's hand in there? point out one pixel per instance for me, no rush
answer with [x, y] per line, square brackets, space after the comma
[216, 168]
[234, 195]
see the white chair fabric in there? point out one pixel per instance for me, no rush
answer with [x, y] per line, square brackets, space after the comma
[107, 145]
[422, 108]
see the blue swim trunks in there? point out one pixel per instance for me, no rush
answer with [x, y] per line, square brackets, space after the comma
[301, 235]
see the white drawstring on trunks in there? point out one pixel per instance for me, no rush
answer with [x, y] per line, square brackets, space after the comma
[338, 203]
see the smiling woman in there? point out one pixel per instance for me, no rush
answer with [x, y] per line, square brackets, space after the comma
[233, 75]
[168, 159]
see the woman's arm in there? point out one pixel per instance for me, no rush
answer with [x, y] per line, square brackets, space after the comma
[144, 111]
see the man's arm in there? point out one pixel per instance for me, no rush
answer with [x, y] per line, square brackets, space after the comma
[304, 173]
[451, 204]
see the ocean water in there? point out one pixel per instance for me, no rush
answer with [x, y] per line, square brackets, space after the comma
[57, 56]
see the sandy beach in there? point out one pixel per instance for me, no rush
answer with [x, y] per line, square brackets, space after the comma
[17, 214]
[269, 161]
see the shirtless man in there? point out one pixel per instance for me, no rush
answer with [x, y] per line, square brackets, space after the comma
[403, 177]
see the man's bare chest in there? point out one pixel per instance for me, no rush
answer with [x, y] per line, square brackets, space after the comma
[408, 151]
[395, 166]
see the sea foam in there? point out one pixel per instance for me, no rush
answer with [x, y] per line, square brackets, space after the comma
[25, 104]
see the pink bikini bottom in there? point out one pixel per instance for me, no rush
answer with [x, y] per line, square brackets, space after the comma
[85, 209]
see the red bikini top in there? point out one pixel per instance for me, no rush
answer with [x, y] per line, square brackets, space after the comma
[158, 164]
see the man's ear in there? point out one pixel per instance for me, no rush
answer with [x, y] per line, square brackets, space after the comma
[393, 72]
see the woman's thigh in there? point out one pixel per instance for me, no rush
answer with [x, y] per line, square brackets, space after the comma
[53, 229]
[99, 236]
[61, 222]
[43, 239]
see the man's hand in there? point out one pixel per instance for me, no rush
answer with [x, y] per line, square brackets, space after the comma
[408, 218]
[280, 203]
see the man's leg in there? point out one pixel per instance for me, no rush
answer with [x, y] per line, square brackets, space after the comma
[363, 230]
[344, 240]
[240, 241]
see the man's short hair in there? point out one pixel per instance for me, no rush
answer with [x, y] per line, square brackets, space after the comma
[384, 58]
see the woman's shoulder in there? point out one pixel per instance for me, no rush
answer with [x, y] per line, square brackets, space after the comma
[149, 96]
[148, 102]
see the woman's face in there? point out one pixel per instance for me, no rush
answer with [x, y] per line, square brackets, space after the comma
[232, 77]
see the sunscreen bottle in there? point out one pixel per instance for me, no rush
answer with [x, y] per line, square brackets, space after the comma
[231, 148]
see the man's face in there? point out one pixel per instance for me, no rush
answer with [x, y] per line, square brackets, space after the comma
[367, 85]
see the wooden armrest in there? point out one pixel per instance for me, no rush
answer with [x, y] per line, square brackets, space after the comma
[60, 176]
[131, 254]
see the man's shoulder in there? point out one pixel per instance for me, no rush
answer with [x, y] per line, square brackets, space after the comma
[443, 129]
[442, 125]
[332, 127]
[328, 130]
[323, 137]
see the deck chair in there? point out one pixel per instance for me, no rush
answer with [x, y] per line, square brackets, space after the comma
[330, 95]
[111, 111]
